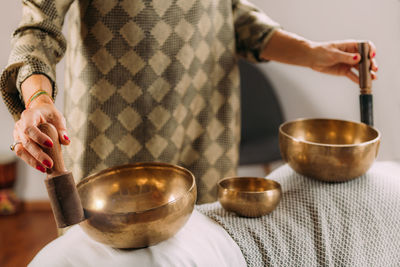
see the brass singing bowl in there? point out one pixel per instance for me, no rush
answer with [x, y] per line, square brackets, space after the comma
[249, 196]
[137, 205]
[327, 149]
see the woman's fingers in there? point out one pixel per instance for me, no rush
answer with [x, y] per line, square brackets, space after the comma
[372, 49]
[45, 113]
[374, 66]
[348, 55]
[346, 58]
[22, 153]
[29, 150]
[27, 126]
[373, 75]
[29, 159]
[36, 152]
[62, 133]
[355, 78]
[33, 132]
[58, 120]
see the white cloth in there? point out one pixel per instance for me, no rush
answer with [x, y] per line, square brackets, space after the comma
[201, 242]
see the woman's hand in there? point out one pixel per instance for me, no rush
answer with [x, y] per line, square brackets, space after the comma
[26, 131]
[340, 58]
[337, 58]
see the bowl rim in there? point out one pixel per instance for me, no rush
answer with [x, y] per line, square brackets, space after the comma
[276, 184]
[140, 164]
[377, 138]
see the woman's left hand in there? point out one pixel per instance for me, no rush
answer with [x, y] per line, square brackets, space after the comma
[341, 58]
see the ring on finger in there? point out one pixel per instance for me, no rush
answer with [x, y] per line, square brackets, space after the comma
[12, 147]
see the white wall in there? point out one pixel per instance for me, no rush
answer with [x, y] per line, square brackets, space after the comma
[303, 93]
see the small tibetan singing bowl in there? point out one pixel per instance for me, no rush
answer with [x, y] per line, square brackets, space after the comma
[249, 196]
[137, 205]
[327, 149]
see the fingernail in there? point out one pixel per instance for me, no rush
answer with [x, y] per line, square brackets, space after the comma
[40, 168]
[48, 143]
[373, 55]
[355, 57]
[66, 137]
[47, 163]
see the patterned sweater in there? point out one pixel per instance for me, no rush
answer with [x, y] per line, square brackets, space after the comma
[146, 80]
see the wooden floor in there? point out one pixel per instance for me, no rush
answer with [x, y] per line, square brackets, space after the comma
[22, 235]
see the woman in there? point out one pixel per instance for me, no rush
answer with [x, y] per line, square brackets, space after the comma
[148, 81]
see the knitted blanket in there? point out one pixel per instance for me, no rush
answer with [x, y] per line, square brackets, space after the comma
[354, 223]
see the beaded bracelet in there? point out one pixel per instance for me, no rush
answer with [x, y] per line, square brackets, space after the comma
[35, 95]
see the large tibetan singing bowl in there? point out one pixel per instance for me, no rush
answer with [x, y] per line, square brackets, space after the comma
[327, 149]
[249, 196]
[137, 205]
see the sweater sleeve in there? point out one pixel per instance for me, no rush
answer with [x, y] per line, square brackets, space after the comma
[253, 29]
[37, 46]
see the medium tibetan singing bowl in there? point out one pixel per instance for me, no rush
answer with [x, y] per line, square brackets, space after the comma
[249, 196]
[137, 205]
[327, 149]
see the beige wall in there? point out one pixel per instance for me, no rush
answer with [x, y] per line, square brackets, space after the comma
[303, 93]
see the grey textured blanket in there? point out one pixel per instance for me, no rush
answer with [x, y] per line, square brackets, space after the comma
[355, 223]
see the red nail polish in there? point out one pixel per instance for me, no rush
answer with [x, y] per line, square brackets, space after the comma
[355, 57]
[40, 168]
[66, 137]
[47, 163]
[48, 143]
[373, 55]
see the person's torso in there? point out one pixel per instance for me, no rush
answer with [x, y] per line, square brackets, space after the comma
[153, 81]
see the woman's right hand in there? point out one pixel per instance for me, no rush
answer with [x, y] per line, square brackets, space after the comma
[26, 131]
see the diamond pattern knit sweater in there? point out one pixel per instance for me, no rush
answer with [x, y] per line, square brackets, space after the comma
[145, 80]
